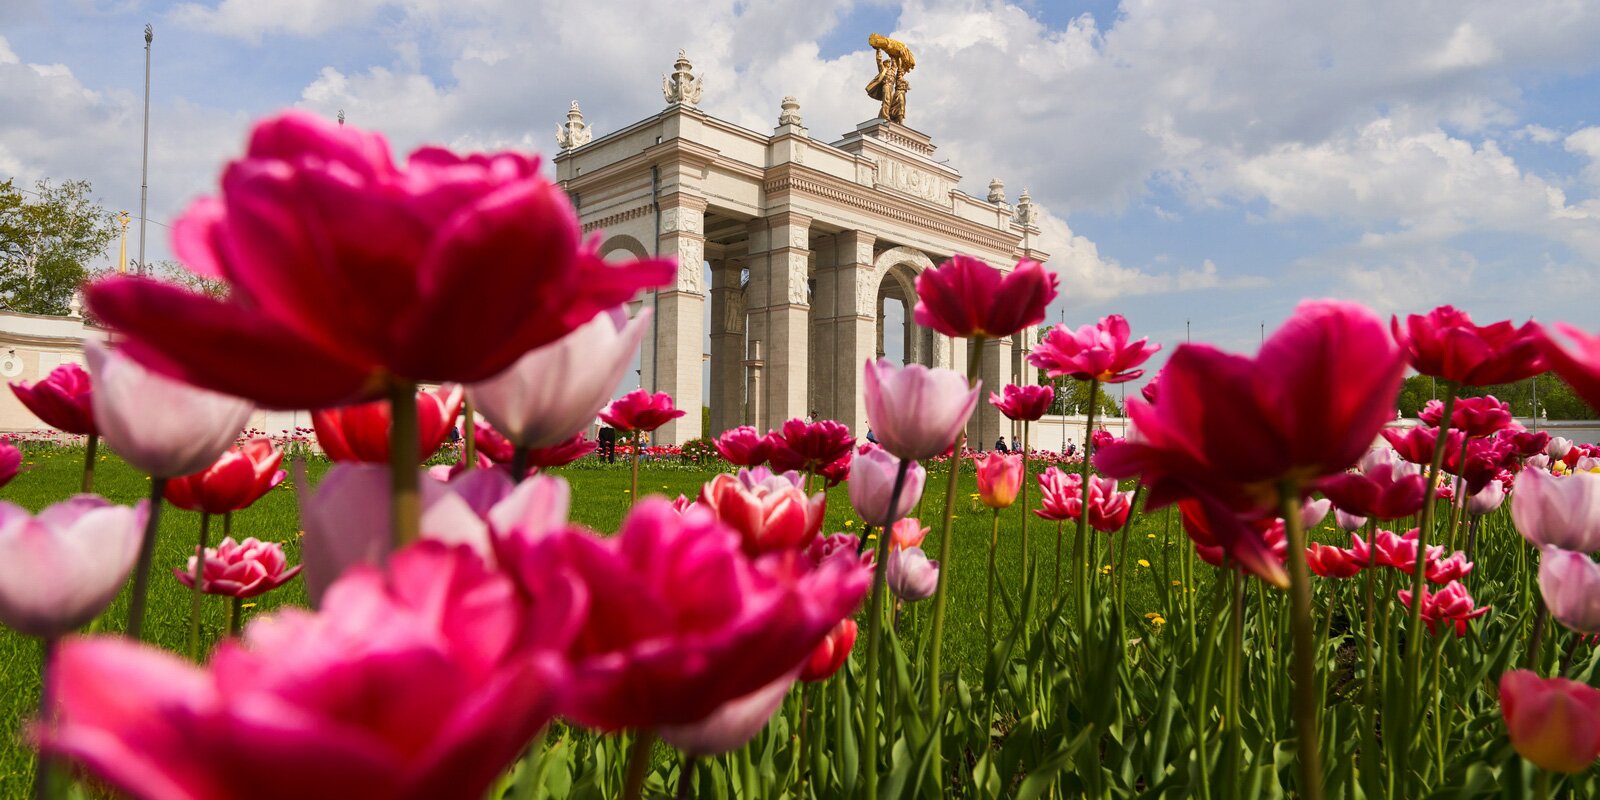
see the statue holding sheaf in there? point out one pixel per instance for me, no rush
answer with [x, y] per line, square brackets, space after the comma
[890, 85]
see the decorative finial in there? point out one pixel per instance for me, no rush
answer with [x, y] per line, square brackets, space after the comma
[1027, 214]
[790, 115]
[682, 87]
[997, 191]
[574, 133]
[890, 86]
[149, 33]
[341, 118]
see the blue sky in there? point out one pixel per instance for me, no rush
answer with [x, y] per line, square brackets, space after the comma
[1211, 161]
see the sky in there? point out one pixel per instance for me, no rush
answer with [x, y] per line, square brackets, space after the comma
[1202, 165]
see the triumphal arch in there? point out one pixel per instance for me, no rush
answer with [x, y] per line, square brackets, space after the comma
[795, 243]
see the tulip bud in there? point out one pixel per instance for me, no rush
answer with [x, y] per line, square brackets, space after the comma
[911, 575]
[999, 479]
[872, 479]
[1487, 499]
[1570, 584]
[62, 567]
[1553, 722]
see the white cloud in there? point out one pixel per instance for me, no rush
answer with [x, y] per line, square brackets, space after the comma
[252, 19]
[1586, 143]
[1087, 278]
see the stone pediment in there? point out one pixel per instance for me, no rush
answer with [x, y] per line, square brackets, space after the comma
[903, 158]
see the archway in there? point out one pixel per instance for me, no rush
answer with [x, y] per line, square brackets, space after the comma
[900, 339]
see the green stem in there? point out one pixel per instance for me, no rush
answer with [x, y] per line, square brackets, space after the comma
[638, 765]
[236, 616]
[935, 695]
[1306, 699]
[869, 727]
[405, 499]
[141, 570]
[1122, 545]
[197, 586]
[43, 769]
[227, 525]
[633, 492]
[519, 464]
[469, 438]
[686, 771]
[89, 452]
[1083, 513]
[1540, 616]
[1414, 628]
[1060, 525]
[1369, 742]
[1541, 785]
[988, 617]
[1026, 548]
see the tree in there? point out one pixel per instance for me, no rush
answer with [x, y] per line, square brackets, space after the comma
[1556, 399]
[48, 236]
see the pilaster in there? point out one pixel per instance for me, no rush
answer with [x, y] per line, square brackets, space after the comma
[727, 347]
[780, 307]
[680, 315]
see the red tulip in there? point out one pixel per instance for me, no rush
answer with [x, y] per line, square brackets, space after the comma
[1236, 429]
[1447, 345]
[1221, 537]
[1579, 366]
[420, 682]
[1553, 722]
[233, 483]
[907, 532]
[999, 478]
[240, 569]
[679, 620]
[809, 447]
[1450, 605]
[743, 447]
[1525, 443]
[964, 297]
[1332, 562]
[1383, 492]
[1024, 403]
[63, 400]
[1099, 352]
[346, 271]
[769, 512]
[831, 653]
[491, 444]
[639, 410]
[1477, 417]
[361, 432]
[560, 455]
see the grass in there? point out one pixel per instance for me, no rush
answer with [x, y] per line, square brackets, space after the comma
[600, 499]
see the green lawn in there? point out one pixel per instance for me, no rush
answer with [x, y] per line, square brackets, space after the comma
[600, 498]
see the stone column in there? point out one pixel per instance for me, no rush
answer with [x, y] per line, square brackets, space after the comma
[755, 389]
[680, 315]
[727, 347]
[856, 338]
[987, 423]
[780, 308]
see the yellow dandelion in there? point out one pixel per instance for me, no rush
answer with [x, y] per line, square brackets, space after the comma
[1106, 569]
[849, 523]
[1157, 620]
[248, 605]
[1143, 563]
[1177, 583]
[1149, 536]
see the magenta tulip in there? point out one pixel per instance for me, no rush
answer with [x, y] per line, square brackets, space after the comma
[912, 576]
[1447, 570]
[743, 447]
[1579, 366]
[1553, 722]
[1570, 583]
[10, 461]
[1450, 606]
[63, 566]
[809, 446]
[1564, 512]
[1061, 494]
[679, 620]
[1099, 352]
[1475, 416]
[63, 400]
[1445, 344]
[639, 410]
[347, 272]
[832, 654]
[964, 297]
[360, 432]
[733, 723]
[917, 412]
[1237, 429]
[158, 425]
[1383, 492]
[1024, 403]
[533, 407]
[409, 685]
[872, 478]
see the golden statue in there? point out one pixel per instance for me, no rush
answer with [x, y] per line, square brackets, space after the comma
[890, 85]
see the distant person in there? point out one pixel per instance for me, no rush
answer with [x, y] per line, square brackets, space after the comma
[1072, 449]
[1000, 445]
[872, 437]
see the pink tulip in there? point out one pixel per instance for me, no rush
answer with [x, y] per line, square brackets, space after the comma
[831, 654]
[1564, 512]
[845, 546]
[679, 620]
[346, 521]
[769, 512]
[1061, 494]
[410, 685]
[361, 432]
[346, 271]
[1539, 462]
[1099, 352]
[63, 566]
[907, 532]
[1313, 512]
[1446, 344]
[872, 479]
[809, 446]
[10, 461]
[733, 723]
[743, 447]
[639, 410]
[1448, 570]
[63, 400]
[911, 575]
[1578, 366]
[964, 297]
[1348, 522]
[999, 479]
[1570, 583]
[1558, 448]
[241, 569]
[533, 407]
[1553, 722]
[1332, 562]
[1399, 552]
[1449, 606]
[158, 425]
[1024, 403]
[1309, 405]
[1487, 499]
[562, 453]
[917, 412]
[1526, 443]
[1383, 492]
[1151, 390]
[1475, 416]
[1108, 508]
[236, 481]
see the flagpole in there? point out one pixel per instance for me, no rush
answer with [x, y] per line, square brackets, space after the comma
[144, 169]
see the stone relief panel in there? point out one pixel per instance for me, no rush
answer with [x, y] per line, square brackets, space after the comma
[733, 311]
[685, 220]
[691, 264]
[913, 181]
[799, 285]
